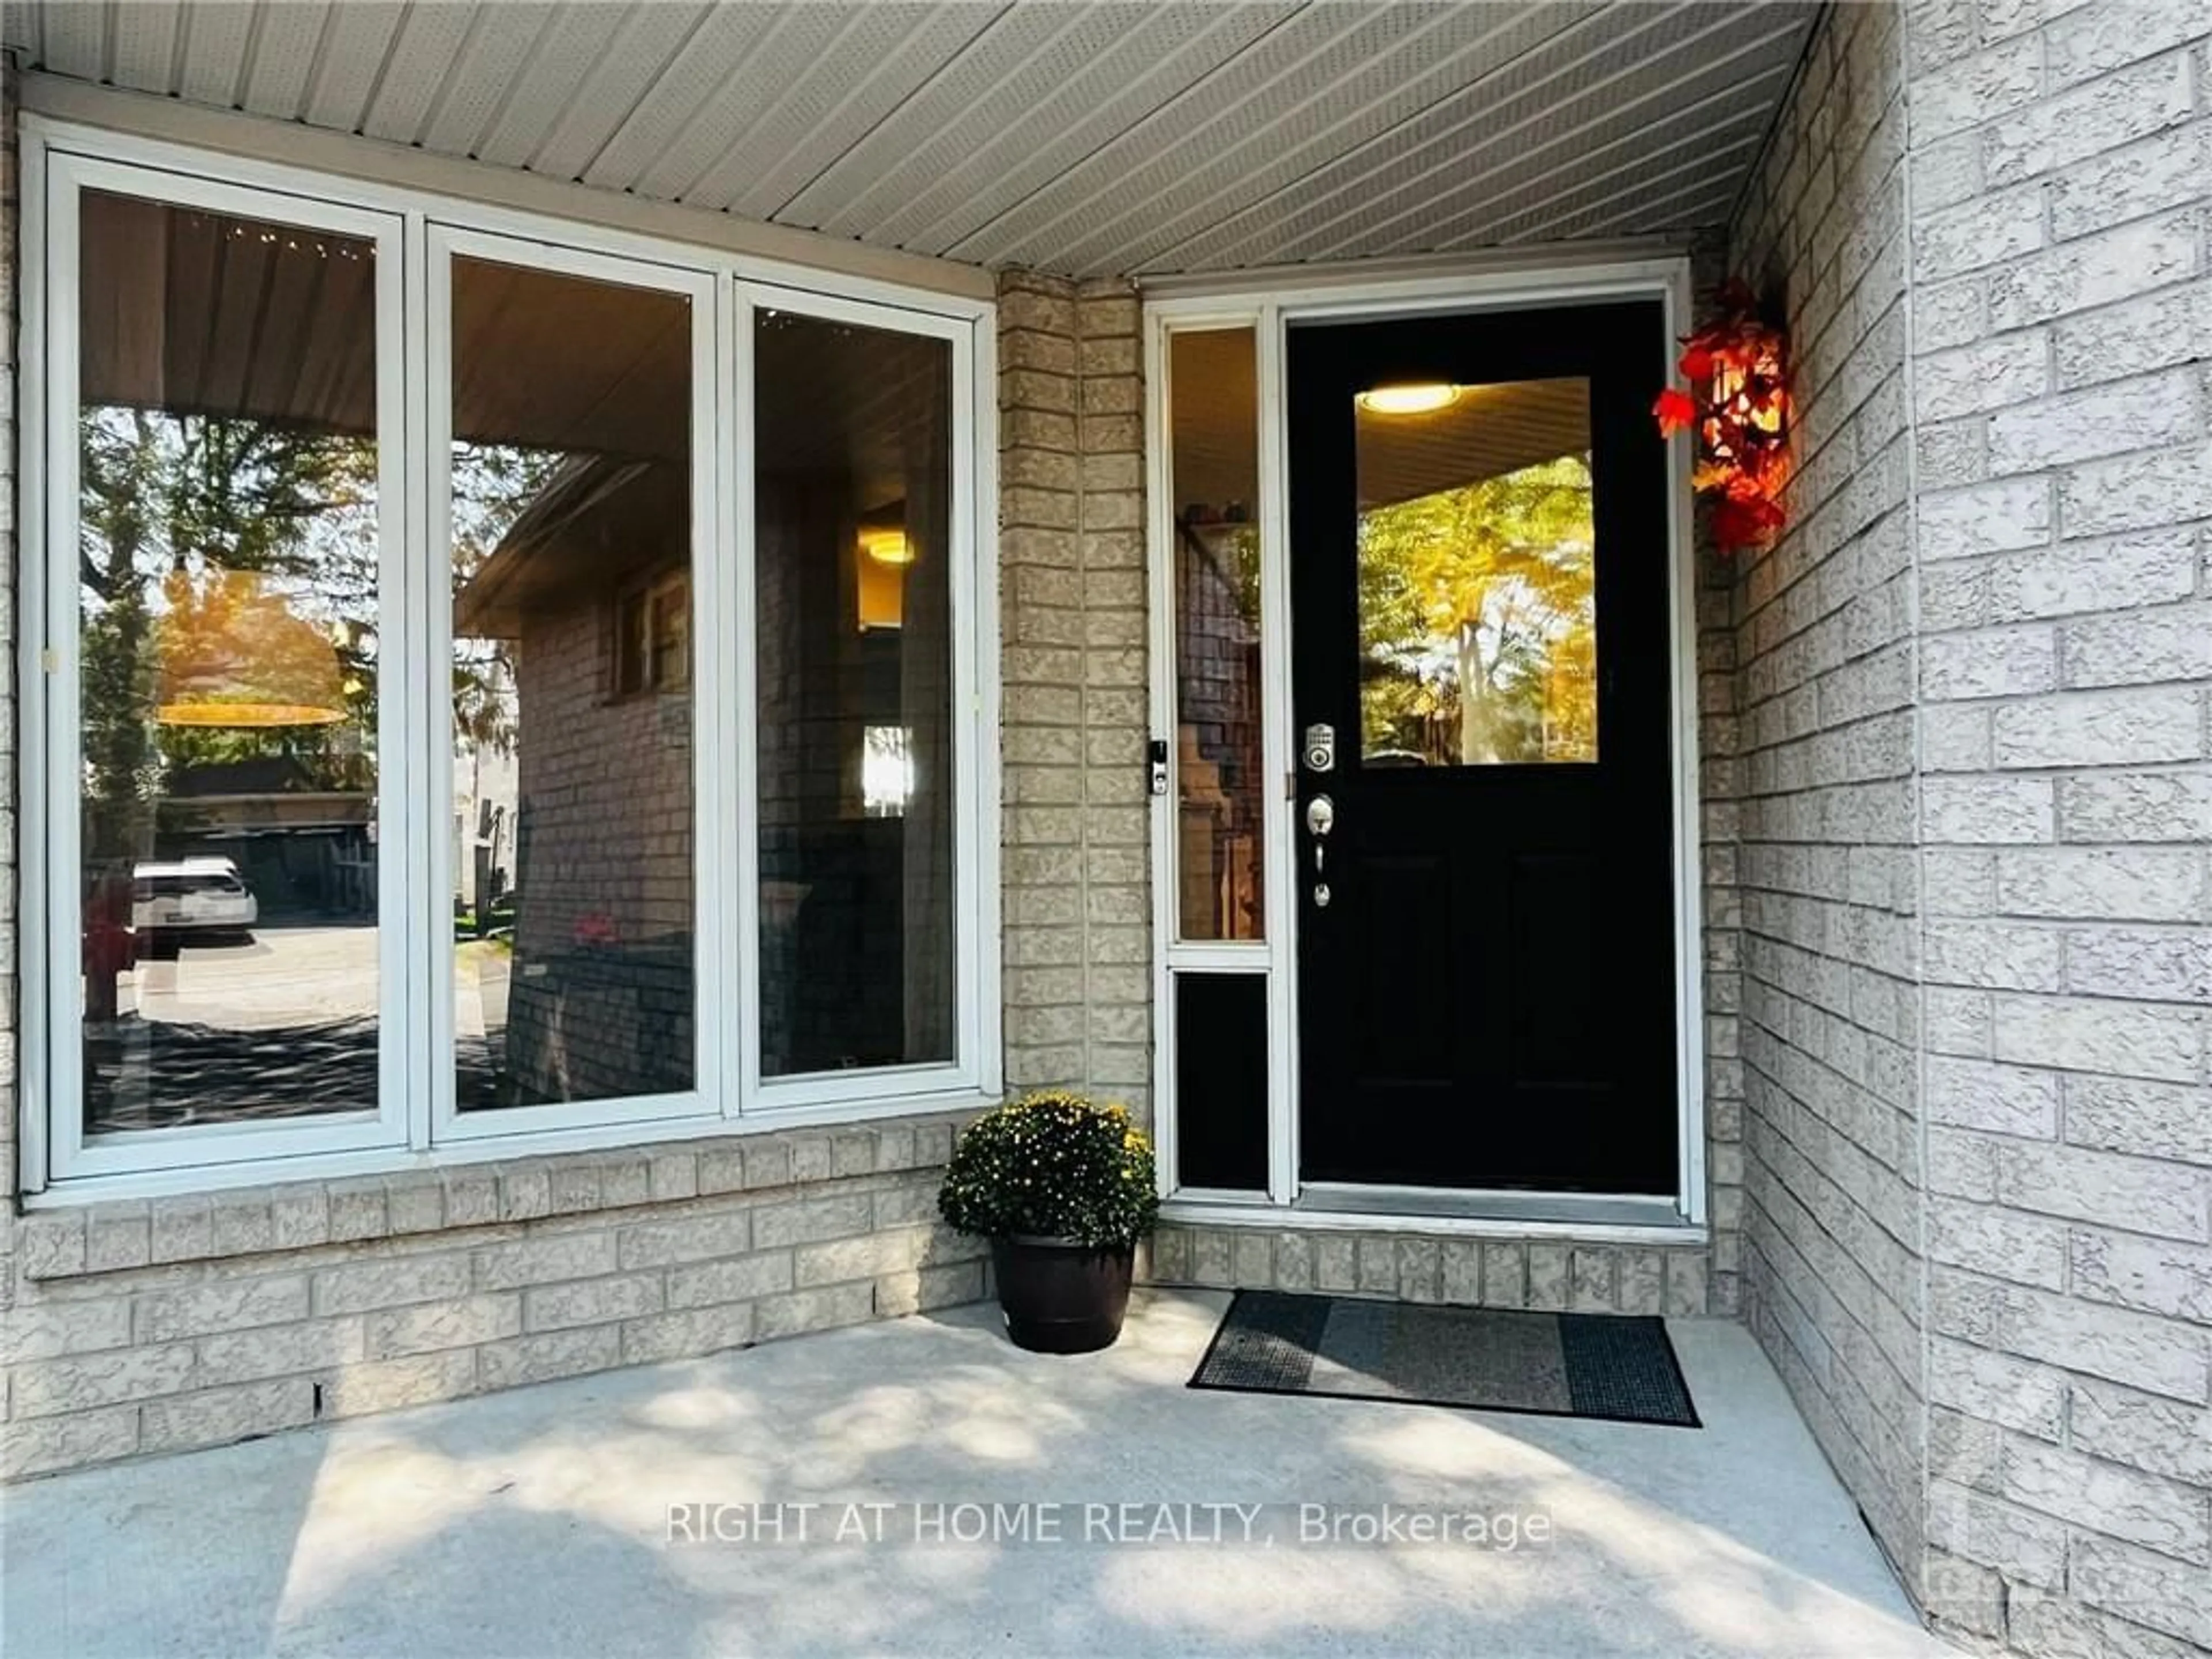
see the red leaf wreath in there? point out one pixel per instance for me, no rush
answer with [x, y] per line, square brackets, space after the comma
[1738, 406]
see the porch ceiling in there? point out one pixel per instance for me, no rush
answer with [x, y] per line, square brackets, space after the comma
[1086, 139]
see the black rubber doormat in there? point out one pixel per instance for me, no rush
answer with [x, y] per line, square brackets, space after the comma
[1620, 1367]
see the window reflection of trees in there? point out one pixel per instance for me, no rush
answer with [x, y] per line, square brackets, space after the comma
[199, 498]
[492, 483]
[228, 605]
[1477, 622]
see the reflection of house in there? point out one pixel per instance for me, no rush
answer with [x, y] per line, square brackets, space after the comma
[833, 935]
[601, 998]
[589, 591]
[1218, 652]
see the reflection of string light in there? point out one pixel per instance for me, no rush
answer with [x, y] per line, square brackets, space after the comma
[322, 251]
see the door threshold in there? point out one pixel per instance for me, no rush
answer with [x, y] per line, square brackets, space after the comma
[1449, 1212]
[1437, 1203]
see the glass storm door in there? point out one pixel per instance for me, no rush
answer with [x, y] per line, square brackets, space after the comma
[1478, 558]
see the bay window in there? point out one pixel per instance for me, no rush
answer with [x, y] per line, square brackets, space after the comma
[498, 684]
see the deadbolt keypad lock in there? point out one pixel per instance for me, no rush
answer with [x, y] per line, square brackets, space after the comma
[1319, 748]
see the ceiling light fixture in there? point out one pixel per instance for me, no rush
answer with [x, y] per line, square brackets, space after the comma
[1420, 397]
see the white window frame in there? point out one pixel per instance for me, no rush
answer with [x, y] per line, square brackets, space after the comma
[1278, 851]
[72, 1155]
[415, 1124]
[709, 694]
[972, 1032]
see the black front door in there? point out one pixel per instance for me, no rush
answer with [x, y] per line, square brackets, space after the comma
[1478, 555]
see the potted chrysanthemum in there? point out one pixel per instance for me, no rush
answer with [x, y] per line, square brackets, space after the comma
[1063, 1189]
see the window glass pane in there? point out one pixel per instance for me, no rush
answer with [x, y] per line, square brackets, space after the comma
[227, 607]
[573, 902]
[1221, 1081]
[1478, 598]
[854, 668]
[1214, 398]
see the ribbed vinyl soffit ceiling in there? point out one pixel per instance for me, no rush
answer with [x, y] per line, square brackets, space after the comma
[1085, 138]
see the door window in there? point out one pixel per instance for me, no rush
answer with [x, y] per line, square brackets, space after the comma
[1477, 596]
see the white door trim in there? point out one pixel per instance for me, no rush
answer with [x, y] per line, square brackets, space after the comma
[1270, 309]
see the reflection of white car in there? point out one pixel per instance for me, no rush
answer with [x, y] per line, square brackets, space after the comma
[203, 894]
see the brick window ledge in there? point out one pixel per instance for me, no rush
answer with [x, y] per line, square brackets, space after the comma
[117, 1234]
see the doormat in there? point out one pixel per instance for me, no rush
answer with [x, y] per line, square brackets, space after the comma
[1615, 1366]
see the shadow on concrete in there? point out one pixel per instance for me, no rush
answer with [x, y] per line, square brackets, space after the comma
[537, 1523]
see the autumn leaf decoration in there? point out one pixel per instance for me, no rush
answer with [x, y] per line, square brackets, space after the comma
[1738, 406]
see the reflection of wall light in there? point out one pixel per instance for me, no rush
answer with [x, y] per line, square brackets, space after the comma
[886, 771]
[886, 546]
[1425, 398]
[880, 591]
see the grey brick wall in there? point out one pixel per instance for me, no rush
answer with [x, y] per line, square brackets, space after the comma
[1823, 687]
[1077, 904]
[2061, 197]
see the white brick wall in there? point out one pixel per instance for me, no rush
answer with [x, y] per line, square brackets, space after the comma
[1824, 694]
[2061, 179]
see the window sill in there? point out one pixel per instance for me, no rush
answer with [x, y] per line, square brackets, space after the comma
[87, 1227]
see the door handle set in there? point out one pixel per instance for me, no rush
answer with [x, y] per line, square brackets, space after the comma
[1321, 818]
[1320, 747]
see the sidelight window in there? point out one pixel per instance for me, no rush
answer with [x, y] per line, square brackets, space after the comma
[1215, 989]
[1214, 503]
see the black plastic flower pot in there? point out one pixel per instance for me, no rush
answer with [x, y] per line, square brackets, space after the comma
[1060, 1296]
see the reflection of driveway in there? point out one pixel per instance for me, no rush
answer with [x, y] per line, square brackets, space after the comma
[283, 976]
[481, 971]
[278, 1025]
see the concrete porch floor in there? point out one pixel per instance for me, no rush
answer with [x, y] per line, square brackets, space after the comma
[535, 1522]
